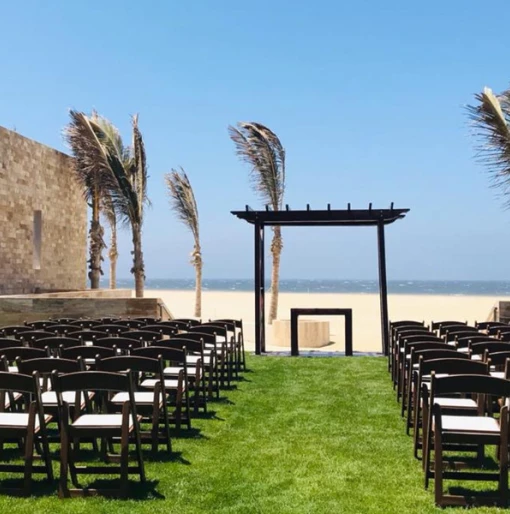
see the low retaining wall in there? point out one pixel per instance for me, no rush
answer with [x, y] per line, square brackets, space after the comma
[16, 310]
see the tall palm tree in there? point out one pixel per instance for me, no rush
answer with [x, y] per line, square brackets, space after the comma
[125, 175]
[92, 173]
[491, 117]
[262, 150]
[113, 254]
[185, 207]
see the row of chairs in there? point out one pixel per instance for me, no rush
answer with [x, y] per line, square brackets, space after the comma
[453, 383]
[106, 387]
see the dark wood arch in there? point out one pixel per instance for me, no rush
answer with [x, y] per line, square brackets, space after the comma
[318, 218]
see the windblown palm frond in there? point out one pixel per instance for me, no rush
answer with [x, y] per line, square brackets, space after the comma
[262, 150]
[183, 200]
[139, 166]
[184, 205]
[491, 119]
[91, 158]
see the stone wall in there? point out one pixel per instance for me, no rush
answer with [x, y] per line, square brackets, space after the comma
[33, 178]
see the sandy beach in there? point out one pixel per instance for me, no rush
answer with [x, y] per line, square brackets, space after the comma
[366, 313]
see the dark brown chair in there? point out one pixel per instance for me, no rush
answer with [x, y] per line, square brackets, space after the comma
[141, 335]
[41, 324]
[195, 367]
[27, 337]
[85, 323]
[13, 330]
[238, 325]
[478, 430]
[63, 329]
[89, 336]
[178, 392]
[123, 344]
[441, 366]
[87, 353]
[104, 424]
[110, 328]
[151, 405]
[161, 330]
[29, 426]
[130, 323]
[53, 345]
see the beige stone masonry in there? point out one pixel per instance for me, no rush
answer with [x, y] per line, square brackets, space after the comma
[34, 177]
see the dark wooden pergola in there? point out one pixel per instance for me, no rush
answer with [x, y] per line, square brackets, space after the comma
[318, 218]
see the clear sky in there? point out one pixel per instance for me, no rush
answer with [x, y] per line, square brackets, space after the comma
[367, 97]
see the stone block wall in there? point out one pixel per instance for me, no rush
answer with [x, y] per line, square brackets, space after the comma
[33, 178]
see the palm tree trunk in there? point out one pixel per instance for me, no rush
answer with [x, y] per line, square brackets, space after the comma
[276, 250]
[96, 245]
[198, 290]
[138, 267]
[113, 254]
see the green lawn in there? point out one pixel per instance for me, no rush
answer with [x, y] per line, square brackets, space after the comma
[298, 435]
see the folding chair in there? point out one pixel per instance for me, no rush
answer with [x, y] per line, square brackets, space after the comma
[442, 366]
[150, 405]
[479, 430]
[13, 330]
[85, 323]
[110, 329]
[222, 347]
[87, 353]
[195, 360]
[238, 326]
[122, 344]
[145, 336]
[29, 426]
[63, 329]
[210, 360]
[53, 345]
[177, 389]
[26, 337]
[41, 324]
[130, 323]
[426, 354]
[101, 424]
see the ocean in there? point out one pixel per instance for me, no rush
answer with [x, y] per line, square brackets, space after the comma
[426, 287]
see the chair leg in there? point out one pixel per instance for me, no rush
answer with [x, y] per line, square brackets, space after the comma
[438, 468]
[63, 490]
[29, 458]
[124, 461]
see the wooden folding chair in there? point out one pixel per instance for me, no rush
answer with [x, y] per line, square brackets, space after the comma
[426, 354]
[479, 430]
[237, 325]
[124, 345]
[85, 323]
[150, 404]
[63, 329]
[177, 389]
[210, 360]
[40, 324]
[101, 424]
[13, 330]
[195, 360]
[87, 353]
[53, 345]
[29, 426]
[441, 366]
[145, 336]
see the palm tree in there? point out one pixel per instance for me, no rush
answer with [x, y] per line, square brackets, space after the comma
[125, 176]
[93, 175]
[185, 207]
[113, 253]
[262, 150]
[491, 119]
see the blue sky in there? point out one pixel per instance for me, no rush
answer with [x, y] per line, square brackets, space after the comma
[367, 97]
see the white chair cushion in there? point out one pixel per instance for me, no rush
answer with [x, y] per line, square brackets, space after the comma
[480, 424]
[18, 420]
[141, 398]
[100, 421]
[150, 383]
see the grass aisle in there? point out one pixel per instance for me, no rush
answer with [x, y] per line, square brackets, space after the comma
[300, 436]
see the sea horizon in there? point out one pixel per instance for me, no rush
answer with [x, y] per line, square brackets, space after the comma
[362, 286]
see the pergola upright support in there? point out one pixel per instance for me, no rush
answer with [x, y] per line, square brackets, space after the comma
[383, 287]
[260, 343]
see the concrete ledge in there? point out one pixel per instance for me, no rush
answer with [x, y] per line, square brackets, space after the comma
[14, 310]
[86, 293]
[312, 333]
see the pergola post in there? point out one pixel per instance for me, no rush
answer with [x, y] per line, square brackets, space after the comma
[260, 343]
[383, 287]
